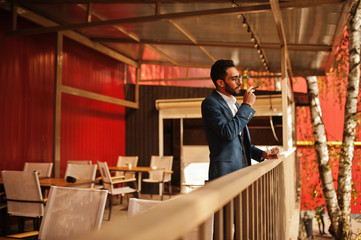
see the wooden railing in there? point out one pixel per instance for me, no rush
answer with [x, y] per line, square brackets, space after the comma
[258, 202]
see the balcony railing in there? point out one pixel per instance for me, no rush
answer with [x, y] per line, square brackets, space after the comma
[257, 202]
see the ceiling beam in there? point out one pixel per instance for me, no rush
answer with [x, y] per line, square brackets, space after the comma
[131, 1]
[277, 15]
[154, 1]
[174, 16]
[294, 47]
[185, 33]
[297, 72]
[342, 20]
[133, 36]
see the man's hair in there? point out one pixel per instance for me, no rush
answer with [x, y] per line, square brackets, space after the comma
[218, 70]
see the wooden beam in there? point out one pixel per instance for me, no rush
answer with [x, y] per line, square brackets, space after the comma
[131, 1]
[300, 2]
[276, 11]
[342, 20]
[98, 97]
[185, 33]
[29, 15]
[174, 16]
[58, 66]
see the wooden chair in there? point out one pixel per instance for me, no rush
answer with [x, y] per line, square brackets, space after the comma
[162, 176]
[109, 183]
[43, 169]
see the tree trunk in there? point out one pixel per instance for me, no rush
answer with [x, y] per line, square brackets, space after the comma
[349, 130]
[322, 152]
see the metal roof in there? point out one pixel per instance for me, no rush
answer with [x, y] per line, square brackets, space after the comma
[196, 33]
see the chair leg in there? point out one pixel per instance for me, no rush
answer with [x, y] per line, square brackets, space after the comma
[21, 223]
[136, 193]
[110, 205]
[151, 191]
[7, 227]
[161, 190]
[36, 224]
[170, 189]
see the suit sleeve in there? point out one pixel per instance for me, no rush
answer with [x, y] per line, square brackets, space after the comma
[256, 154]
[218, 119]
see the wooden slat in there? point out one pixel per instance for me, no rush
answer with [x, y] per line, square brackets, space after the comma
[98, 97]
[228, 220]
[238, 217]
[218, 225]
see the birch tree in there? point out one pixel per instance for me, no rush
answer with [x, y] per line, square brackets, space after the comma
[349, 129]
[339, 206]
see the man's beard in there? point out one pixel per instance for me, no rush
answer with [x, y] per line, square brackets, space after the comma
[233, 91]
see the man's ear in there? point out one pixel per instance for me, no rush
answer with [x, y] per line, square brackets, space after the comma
[220, 83]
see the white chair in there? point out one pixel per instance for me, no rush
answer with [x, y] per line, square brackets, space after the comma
[82, 172]
[195, 174]
[43, 169]
[137, 206]
[127, 161]
[70, 212]
[85, 162]
[23, 195]
[162, 176]
[109, 182]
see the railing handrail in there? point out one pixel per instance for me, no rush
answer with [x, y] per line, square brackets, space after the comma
[181, 214]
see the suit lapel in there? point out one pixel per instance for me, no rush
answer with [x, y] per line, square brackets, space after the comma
[224, 104]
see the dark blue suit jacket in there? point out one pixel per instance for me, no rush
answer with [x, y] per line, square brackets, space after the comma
[222, 132]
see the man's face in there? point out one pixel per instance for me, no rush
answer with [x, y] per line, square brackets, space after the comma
[233, 82]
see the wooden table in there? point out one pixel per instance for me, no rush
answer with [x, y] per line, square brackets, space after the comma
[61, 182]
[139, 170]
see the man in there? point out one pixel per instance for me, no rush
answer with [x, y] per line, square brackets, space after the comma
[225, 122]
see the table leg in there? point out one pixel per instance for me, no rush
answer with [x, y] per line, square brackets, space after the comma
[139, 182]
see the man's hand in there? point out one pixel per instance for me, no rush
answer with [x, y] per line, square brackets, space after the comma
[249, 96]
[271, 153]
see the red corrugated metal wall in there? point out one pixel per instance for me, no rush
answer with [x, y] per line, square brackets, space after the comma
[89, 129]
[26, 96]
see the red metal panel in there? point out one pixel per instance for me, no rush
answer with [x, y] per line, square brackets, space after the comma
[91, 130]
[26, 96]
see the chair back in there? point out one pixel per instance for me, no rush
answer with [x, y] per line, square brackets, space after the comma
[195, 175]
[81, 172]
[72, 211]
[85, 162]
[164, 162]
[43, 169]
[137, 206]
[124, 161]
[23, 193]
[106, 177]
